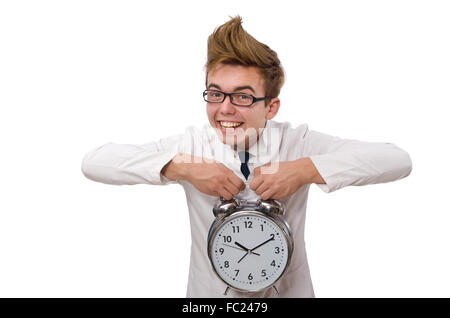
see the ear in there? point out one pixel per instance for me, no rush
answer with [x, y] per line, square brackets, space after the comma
[272, 108]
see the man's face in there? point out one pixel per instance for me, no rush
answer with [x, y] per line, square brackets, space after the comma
[239, 79]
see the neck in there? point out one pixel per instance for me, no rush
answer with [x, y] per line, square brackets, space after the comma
[247, 142]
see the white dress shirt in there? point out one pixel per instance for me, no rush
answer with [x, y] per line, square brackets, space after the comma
[340, 162]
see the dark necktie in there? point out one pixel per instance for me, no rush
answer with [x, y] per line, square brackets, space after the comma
[244, 156]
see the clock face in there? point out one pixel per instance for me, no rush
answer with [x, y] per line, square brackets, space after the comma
[249, 252]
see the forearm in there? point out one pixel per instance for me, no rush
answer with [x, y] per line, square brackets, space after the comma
[116, 164]
[308, 171]
[372, 163]
[121, 164]
[176, 168]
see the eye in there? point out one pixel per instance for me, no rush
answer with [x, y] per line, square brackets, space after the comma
[214, 94]
[243, 97]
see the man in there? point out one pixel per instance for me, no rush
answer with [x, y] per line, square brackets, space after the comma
[244, 153]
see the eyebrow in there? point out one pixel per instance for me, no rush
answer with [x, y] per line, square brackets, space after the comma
[238, 88]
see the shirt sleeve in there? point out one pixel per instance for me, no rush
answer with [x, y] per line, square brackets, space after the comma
[125, 164]
[349, 162]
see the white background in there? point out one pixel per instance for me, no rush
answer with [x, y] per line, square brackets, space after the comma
[75, 75]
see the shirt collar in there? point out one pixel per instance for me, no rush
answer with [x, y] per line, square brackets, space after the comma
[259, 149]
[260, 146]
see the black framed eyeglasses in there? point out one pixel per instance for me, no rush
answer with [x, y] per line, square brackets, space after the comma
[238, 99]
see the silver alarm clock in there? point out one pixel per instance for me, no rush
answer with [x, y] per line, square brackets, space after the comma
[249, 243]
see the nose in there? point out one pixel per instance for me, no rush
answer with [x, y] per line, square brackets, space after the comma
[226, 107]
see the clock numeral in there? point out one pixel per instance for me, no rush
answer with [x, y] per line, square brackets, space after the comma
[262, 228]
[226, 264]
[248, 224]
[227, 239]
[263, 273]
[237, 272]
[277, 250]
[221, 250]
[272, 236]
[250, 277]
[235, 229]
[273, 263]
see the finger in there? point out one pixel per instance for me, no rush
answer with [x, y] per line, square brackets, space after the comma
[262, 188]
[230, 187]
[267, 194]
[225, 194]
[256, 182]
[236, 181]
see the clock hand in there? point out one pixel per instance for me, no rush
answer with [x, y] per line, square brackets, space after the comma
[239, 248]
[271, 239]
[243, 257]
[244, 248]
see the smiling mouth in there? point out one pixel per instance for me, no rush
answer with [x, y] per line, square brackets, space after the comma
[230, 124]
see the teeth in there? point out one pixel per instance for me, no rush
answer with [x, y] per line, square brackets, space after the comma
[227, 124]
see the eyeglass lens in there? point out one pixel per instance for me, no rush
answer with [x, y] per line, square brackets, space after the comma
[236, 98]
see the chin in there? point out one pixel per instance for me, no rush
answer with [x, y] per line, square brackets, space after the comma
[241, 142]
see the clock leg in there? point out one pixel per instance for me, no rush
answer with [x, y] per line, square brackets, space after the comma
[276, 290]
[226, 290]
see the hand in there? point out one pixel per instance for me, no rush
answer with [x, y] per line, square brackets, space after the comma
[285, 180]
[206, 175]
